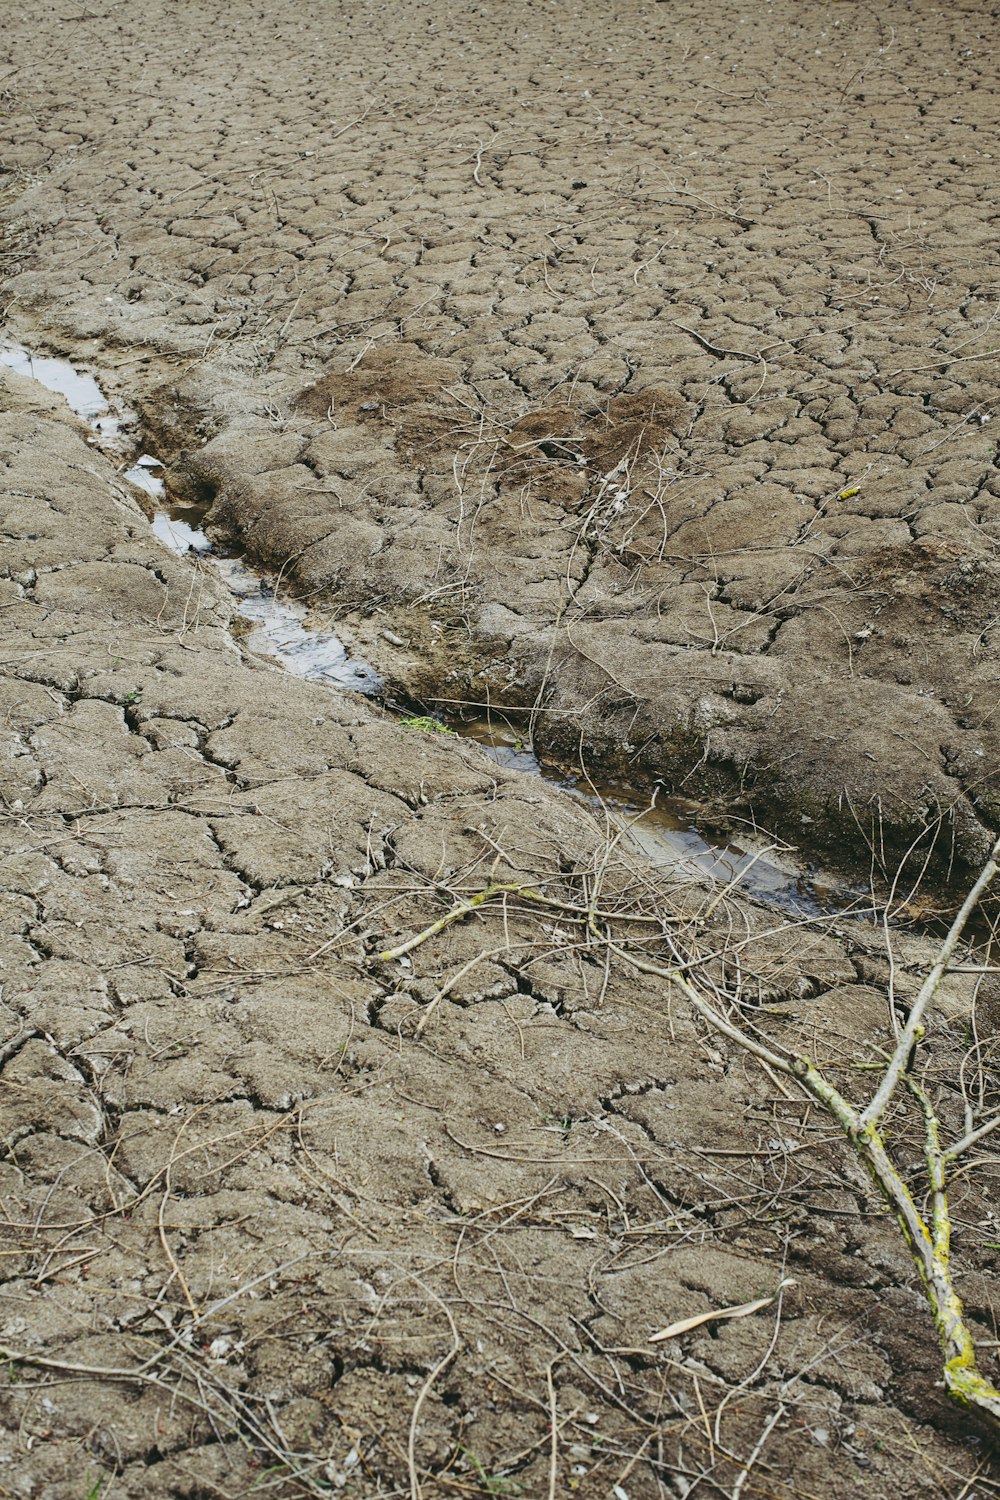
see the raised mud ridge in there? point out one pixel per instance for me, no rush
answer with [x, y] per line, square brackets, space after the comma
[844, 697]
[282, 628]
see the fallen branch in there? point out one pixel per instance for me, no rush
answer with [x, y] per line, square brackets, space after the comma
[465, 906]
[927, 1239]
[929, 1244]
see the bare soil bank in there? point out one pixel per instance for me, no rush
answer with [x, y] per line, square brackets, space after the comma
[633, 365]
[418, 276]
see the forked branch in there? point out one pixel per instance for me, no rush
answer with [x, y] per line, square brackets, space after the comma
[928, 1237]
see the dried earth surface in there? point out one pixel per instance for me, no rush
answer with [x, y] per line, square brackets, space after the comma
[545, 342]
[635, 366]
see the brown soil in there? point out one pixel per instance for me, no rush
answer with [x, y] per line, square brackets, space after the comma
[554, 343]
[409, 267]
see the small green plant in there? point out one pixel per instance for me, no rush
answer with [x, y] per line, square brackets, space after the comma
[135, 696]
[426, 725]
[491, 1484]
[94, 1488]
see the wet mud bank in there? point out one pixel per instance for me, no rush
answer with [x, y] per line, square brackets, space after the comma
[512, 574]
[873, 751]
[665, 830]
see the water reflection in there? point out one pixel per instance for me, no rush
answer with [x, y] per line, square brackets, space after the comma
[665, 832]
[79, 389]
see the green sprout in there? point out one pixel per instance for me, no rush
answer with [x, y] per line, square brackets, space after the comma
[426, 725]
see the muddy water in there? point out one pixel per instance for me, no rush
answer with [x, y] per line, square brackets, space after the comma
[279, 626]
[79, 388]
[664, 833]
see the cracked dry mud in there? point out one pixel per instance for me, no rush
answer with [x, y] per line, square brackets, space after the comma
[546, 341]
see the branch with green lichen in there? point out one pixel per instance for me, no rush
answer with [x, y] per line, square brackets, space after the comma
[929, 1245]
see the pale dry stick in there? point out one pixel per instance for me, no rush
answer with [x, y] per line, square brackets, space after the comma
[716, 640]
[956, 427]
[652, 259]
[940, 363]
[980, 639]
[161, 1225]
[763, 382]
[809, 604]
[566, 1351]
[348, 1214]
[601, 667]
[621, 829]
[886, 916]
[184, 1333]
[704, 1417]
[292, 558]
[517, 1207]
[459, 480]
[176, 1393]
[716, 349]
[620, 479]
[973, 1477]
[859, 73]
[295, 307]
[342, 1049]
[762, 1363]
[37, 1226]
[971, 1139]
[554, 1424]
[484, 481]
[466, 907]
[638, 1163]
[365, 917]
[369, 344]
[536, 707]
[686, 192]
[449, 984]
[517, 1025]
[88, 1253]
[425, 1389]
[663, 483]
[404, 317]
[744, 1474]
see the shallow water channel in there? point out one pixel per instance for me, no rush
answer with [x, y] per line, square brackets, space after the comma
[666, 834]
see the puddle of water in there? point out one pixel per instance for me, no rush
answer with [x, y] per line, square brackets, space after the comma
[665, 834]
[279, 625]
[147, 474]
[281, 631]
[280, 628]
[79, 389]
[501, 742]
[179, 536]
